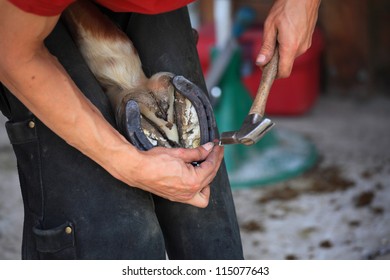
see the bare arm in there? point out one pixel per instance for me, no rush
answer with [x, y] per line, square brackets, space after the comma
[290, 23]
[37, 79]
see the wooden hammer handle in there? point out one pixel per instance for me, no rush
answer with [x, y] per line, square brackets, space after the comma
[267, 79]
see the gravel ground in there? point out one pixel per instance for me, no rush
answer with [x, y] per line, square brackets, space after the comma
[337, 210]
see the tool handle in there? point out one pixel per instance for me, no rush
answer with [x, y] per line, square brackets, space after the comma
[267, 79]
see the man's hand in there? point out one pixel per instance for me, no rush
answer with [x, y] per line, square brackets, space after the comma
[290, 24]
[169, 173]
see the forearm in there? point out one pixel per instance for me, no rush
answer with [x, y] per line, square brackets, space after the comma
[42, 84]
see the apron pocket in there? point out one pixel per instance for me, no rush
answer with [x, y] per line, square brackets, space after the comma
[56, 243]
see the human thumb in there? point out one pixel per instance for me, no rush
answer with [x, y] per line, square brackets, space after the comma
[198, 154]
[268, 47]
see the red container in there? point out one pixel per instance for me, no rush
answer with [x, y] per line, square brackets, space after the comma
[291, 96]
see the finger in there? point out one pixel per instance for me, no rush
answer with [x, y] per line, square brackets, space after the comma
[201, 199]
[205, 195]
[195, 155]
[286, 61]
[209, 168]
[205, 192]
[268, 46]
[214, 158]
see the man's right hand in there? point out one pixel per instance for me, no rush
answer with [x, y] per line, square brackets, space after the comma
[290, 24]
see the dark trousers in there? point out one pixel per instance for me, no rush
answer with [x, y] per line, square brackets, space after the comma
[74, 209]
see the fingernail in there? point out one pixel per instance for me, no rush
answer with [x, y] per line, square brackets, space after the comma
[208, 146]
[260, 59]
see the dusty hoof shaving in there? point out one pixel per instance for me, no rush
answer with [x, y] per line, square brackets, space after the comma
[164, 110]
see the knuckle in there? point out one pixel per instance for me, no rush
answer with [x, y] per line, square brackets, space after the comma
[204, 204]
[304, 48]
[269, 23]
[197, 153]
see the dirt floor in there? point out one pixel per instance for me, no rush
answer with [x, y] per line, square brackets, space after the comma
[339, 209]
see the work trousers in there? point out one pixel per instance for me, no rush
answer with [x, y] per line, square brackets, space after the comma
[74, 209]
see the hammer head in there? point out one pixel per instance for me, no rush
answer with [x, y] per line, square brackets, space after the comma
[252, 130]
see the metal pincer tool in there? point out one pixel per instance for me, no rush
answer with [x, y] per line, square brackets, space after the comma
[255, 125]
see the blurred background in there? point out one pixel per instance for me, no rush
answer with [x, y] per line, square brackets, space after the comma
[317, 185]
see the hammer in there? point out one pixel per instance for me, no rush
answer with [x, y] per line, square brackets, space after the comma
[255, 125]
